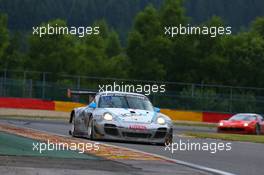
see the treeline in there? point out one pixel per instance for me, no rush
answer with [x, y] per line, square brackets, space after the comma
[119, 14]
[236, 13]
[149, 54]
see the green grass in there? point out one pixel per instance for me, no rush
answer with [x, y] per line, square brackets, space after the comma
[198, 124]
[230, 137]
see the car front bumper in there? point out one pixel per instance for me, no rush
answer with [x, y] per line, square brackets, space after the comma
[236, 130]
[152, 133]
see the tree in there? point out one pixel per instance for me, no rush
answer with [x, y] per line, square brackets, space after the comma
[14, 58]
[141, 43]
[52, 53]
[173, 13]
[102, 55]
[258, 26]
[209, 52]
[245, 54]
[113, 46]
[178, 58]
[147, 23]
[4, 37]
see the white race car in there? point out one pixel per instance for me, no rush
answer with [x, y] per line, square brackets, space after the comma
[121, 116]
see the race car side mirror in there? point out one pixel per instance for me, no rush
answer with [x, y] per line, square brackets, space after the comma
[157, 109]
[92, 105]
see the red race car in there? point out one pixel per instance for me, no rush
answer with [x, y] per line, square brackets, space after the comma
[242, 124]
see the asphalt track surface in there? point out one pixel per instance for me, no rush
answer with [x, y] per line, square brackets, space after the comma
[243, 159]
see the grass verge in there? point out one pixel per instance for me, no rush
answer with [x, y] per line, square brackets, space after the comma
[230, 137]
[195, 124]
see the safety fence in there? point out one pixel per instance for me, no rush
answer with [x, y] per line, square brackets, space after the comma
[181, 96]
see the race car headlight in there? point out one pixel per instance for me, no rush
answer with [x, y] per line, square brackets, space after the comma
[108, 116]
[245, 124]
[161, 121]
[221, 124]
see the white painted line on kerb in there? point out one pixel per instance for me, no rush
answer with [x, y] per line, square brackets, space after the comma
[180, 162]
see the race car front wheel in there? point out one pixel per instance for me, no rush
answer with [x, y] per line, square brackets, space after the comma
[168, 140]
[90, 129]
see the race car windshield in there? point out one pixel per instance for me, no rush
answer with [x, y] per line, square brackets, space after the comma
[242, 117]
[133, 102]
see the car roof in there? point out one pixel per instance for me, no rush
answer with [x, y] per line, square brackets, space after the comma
[250, 114]
[246, 114]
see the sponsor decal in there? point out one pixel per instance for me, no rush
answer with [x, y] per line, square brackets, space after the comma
[138, 127]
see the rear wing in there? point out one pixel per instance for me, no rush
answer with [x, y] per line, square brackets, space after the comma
[77, 93]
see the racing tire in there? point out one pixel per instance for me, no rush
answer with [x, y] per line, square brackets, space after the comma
[258, 129]
[72, 130]
[168, 140]
[90, 129]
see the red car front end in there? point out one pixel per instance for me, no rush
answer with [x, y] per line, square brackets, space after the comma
[237, 127]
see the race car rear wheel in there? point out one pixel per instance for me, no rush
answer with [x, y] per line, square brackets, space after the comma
[90, 129]
[257, 129]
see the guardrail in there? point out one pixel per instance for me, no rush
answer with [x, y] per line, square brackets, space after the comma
[62, 106]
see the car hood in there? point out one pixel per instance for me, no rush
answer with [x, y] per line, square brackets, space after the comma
[236, 122]
[133, 115]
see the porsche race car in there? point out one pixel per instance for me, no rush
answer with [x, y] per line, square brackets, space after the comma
[121, 116]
